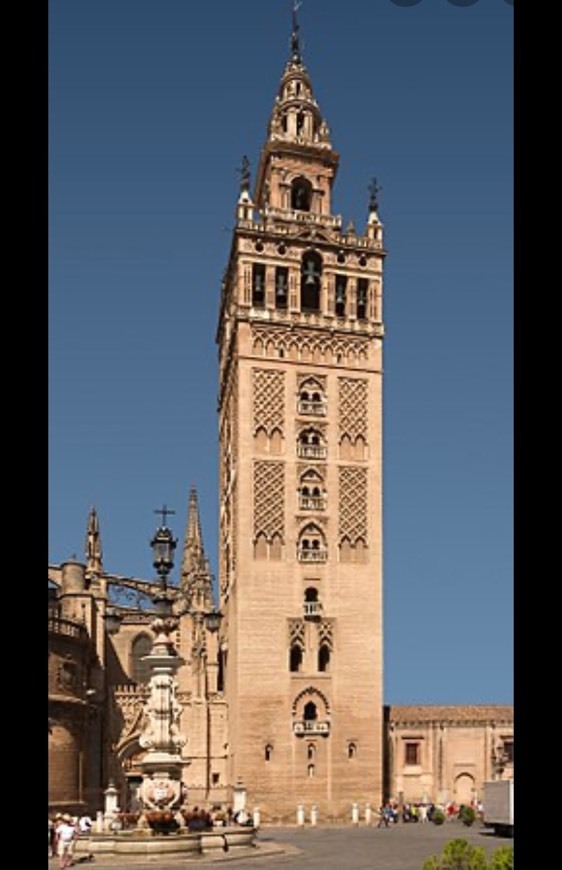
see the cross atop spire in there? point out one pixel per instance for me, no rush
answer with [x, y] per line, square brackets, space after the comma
[164, 511]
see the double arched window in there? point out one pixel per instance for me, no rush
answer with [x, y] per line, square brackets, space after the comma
[311, 399]
[311, 445]
[311, 545]
[311, 491]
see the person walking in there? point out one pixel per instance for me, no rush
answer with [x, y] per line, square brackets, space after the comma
[383, 816]
[66, 841]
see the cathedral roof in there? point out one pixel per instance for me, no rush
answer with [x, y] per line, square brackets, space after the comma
[451, 713]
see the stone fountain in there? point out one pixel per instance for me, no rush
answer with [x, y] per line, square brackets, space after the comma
[161, 828]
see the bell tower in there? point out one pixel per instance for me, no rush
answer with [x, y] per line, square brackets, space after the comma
[300, 437]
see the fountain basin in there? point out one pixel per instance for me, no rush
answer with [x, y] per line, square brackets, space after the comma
[141, 843]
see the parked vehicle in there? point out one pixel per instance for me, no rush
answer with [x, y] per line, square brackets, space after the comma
[498, 806]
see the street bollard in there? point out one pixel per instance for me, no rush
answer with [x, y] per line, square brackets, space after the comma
[313, 815]
[300, 815]
[368, 814]
[355, 814]
[256, 817]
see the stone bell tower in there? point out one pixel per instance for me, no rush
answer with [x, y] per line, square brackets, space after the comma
[300, 402]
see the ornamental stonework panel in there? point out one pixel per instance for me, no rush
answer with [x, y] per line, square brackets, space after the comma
[353, 408]
[326, 633]
[318, 381]
[269, 499]
[296, 633]
[280, 342]
[269, 400]
[353, 504]
[128, 715]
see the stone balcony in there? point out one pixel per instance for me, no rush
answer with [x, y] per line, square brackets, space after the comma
[312, 555]
[67, 627]
[313, 409]
[312, 609]
[311, 726]
[311, 451]
[312, 503]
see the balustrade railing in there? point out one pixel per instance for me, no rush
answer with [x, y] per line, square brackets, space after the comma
[311, 451]
[68, 627]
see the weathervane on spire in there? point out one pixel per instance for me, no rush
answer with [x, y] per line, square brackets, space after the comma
[244, 174]
[374, 190]
[295, 43]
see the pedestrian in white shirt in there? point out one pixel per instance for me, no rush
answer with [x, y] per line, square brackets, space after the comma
[66, 841]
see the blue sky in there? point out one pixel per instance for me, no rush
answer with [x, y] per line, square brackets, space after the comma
[152, 104]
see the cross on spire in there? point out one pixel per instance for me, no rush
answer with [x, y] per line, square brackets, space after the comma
[164, 511]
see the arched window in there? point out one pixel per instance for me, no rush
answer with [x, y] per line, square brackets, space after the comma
[301, 191]
[295, 659]
[362, 291]
[323, 657]
[311, 545]
[311, 399]
[311, 494]
[268, 751]
[140, 670]
[341, 288]
[310, 445]
[281, 286]
[310, 751]
[258, 285]
[312, 606]
[311, 275]
[310, 712]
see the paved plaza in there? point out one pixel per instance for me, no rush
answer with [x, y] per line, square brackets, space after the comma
[399, 847]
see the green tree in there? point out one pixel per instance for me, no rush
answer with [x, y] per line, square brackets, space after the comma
[438, 817]
[502, 859]
[458, 855]
[467, 816]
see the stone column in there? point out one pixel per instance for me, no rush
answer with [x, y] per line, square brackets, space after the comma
[162, 764]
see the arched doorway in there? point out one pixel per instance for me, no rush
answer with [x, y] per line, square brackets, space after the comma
[464, 788]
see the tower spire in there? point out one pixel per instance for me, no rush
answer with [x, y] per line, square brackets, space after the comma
[196, 580]
[194, 538]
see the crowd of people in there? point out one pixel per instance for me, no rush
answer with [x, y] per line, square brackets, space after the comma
[391, 812]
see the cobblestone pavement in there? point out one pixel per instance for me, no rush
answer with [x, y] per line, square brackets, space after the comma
[399, 847]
